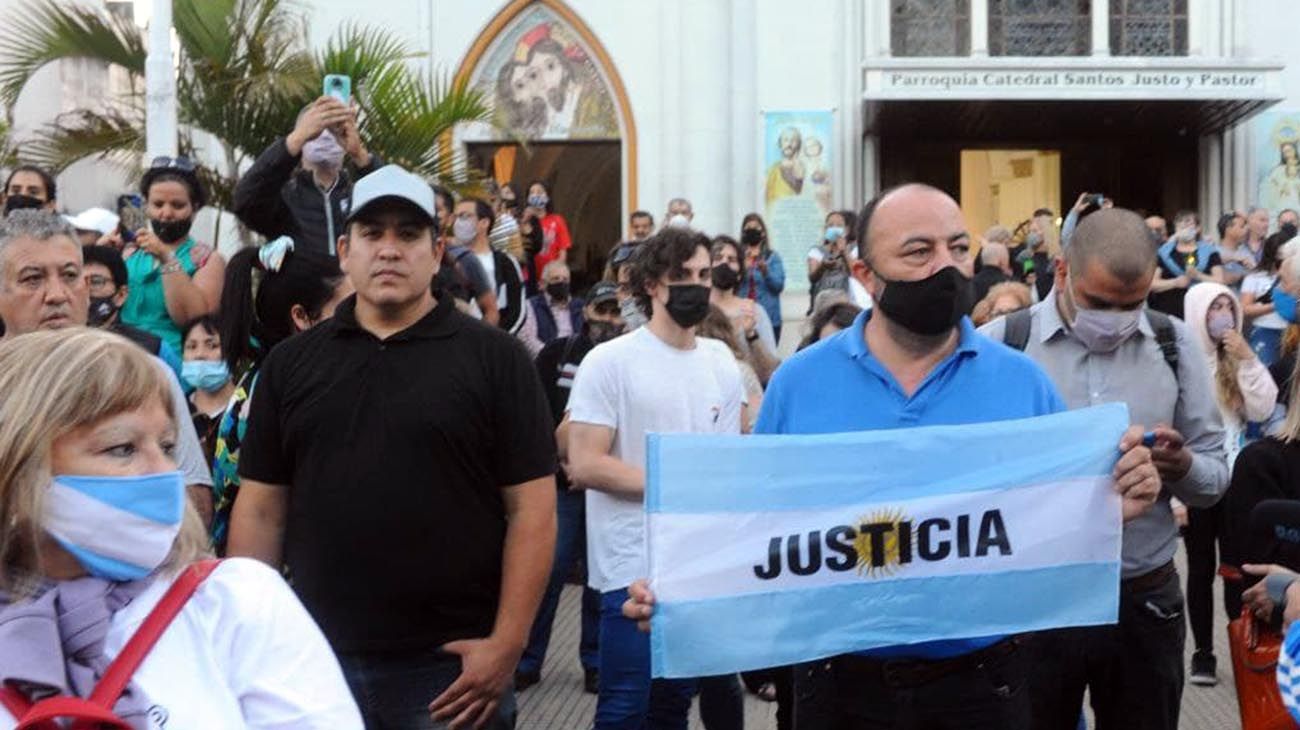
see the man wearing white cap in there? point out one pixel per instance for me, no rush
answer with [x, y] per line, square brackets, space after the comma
[399, 461]
[92, 224]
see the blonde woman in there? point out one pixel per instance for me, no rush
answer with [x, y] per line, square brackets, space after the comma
[1002, 299]
[1245, 393]
[94, 529]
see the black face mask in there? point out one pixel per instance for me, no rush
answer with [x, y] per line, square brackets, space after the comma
[688, 304]
[725, 277]
[102, 309]
[751, 236]
[170, 232]
[930, 306]
[21, 202]
[559, 291]
[599, 332]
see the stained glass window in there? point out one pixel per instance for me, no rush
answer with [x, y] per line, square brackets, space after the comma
[1148, 27]
[930, 28]
[1040, 27]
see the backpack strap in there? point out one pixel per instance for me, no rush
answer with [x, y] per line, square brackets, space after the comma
[14, 702]
[1166, 338]
[1018, 325]
[119, 673]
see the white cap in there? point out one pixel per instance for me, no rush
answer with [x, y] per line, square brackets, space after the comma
[94, 219]
[391, 181]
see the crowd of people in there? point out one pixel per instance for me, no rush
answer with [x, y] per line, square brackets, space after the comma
[399, 403]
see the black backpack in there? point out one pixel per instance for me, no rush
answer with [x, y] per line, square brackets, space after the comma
[1016, 335]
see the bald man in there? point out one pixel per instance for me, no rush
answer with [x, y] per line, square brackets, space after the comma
[996, 258]
[914, 359]
[1099, 343]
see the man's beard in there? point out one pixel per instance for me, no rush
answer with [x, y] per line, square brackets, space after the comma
[556, 96]
[532, 115]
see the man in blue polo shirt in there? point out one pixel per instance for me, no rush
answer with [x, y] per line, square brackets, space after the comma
[916, 360]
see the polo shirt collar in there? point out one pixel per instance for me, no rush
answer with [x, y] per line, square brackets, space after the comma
[855, 344]
[441, 321]
[1050, 322]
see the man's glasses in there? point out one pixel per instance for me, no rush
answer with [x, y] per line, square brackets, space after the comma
[99, 282]
[182, 163]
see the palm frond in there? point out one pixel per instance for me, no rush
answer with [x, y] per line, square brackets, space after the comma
[360, 51]
[78, 135]
[44, 31]
[407, 115]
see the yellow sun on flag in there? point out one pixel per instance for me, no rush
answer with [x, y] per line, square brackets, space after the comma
[890, 563]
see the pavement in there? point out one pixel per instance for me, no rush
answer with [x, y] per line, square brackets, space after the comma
[558, 702]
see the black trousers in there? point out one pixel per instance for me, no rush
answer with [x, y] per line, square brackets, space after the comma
[850, 693]
[1134, 670]
[1201, 537]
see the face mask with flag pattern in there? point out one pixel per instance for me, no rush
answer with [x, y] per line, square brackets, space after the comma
[118, 528]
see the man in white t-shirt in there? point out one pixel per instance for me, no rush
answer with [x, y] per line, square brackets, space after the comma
[658, 379]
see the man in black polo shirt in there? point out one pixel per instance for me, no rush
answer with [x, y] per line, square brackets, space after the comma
[558, 363]
[399, 460]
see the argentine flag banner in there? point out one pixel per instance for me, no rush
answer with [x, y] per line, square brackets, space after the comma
[771, 550]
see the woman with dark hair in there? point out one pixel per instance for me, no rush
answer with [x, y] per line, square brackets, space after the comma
[765, 272]
[173, 278]
[828, 320]
[295, 290]
[29, 186]
[206, 371]
[752, 327]
[551, 226]
[830, 262]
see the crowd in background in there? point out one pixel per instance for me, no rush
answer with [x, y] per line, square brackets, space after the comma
[387, 326]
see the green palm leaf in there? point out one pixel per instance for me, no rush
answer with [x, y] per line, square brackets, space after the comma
[109, 136]
[243, 74]
[41, 32]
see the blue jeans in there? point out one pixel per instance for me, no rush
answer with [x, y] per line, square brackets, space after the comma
[1267, 344]
[394, 689]
[629, 699]
[570, 545]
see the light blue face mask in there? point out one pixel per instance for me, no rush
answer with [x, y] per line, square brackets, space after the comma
[118, 528]
[834, 233]
[207, 375]
[1284, 304]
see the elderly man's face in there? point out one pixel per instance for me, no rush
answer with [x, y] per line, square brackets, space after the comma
[790, 143]
[43, 285]
[678, 207]
[1257, 223]
[1156, 225]
[642, 227]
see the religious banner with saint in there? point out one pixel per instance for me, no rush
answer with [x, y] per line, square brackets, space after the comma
[797, 185]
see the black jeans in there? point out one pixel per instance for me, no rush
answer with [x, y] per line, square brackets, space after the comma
[1201, 537]
[1134, 670]
[393, 690]
[722, 703]
[850, 693]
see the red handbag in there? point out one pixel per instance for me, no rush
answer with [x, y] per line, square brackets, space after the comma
[1255, 649]
[96, 712]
